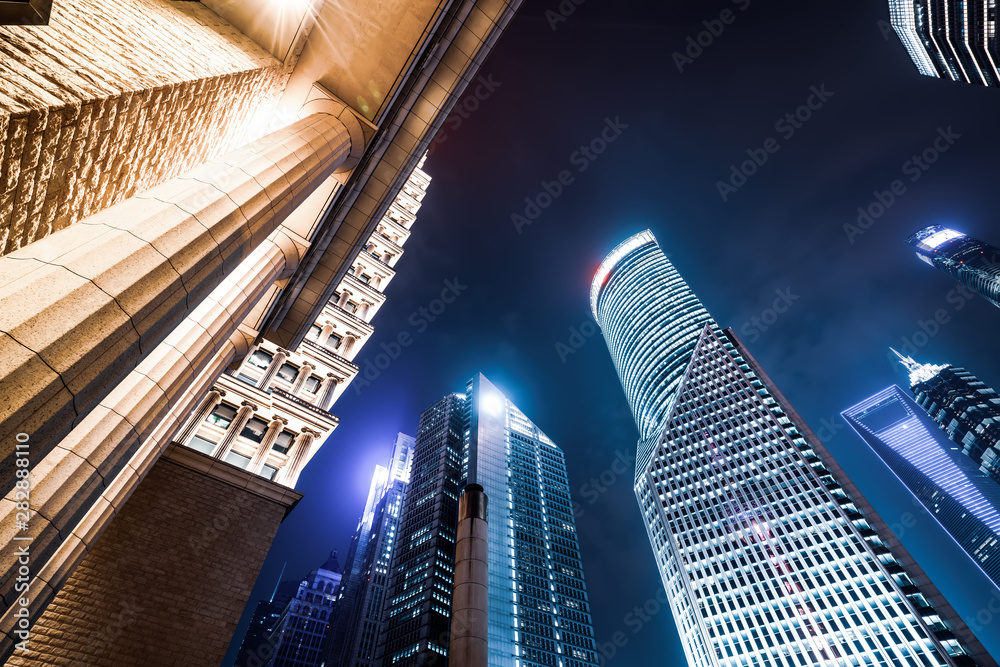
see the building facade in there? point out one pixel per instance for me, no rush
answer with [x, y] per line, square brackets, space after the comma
[183, 184]
[356, 628]
[768, 553]
[963, 407]
[271, 414]
[256, 649]
[539, 613]
[949, 39]
[302, 628]
[973, 263]
[949, 484]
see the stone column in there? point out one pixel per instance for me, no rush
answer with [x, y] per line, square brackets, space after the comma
[213, 398]
[304, 372]
[273, 430]
[78, 315]
[344, 296]
[326, 392]
[324, 334]
[347, 345]
[299, 455]
[363, 310]
[469, 630]
[239, 421]
[272, 369]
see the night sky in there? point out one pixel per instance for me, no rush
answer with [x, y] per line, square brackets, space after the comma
[780, 233]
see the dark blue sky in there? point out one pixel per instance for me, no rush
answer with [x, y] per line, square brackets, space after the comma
[780, 232]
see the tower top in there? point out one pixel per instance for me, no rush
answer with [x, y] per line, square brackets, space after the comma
[918, 372]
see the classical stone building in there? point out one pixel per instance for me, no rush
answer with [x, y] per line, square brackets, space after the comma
[182, 183]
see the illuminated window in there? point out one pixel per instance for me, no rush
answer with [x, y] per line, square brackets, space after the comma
[287, 372]
[202, 445]
[237, 460]
[312, 385]
[260, 359]
[254, 430]
[283, 442]
[222, 416]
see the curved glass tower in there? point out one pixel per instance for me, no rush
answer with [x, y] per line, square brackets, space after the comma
[974, 263]
[651, 321]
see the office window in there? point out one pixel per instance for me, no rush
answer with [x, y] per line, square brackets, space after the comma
[254, 430]
[260, 359]
[334, 342]
[238, 460]
[312, 384]
[351, 307]
[283, 442]
[314, 332]
[222, 416]
[202, 445]
[268, 472]
[287, 372]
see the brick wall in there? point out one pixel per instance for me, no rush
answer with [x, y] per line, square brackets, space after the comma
[167, 581]
[114, 97]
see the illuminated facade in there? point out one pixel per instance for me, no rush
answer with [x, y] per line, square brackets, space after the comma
[300, 631]
[961, 405]
[950, 39]
[950, 486]
[272, 414]
[636, 292]
[768, 553]
[973, 263]
[355, 630]
[539, 614]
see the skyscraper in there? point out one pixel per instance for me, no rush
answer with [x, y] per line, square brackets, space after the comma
[298, 634]
[949, 484]
[949, 39]
[963, 406]
[974, 263]
[355, 629]
[768, 553]
[539, 613]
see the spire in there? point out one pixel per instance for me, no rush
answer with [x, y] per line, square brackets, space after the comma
[331, 564]
[919, 372]
[278, 582]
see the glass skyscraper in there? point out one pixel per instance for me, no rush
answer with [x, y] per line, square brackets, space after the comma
[949, 484]
[974, 263]
[963, 406]
[951, 39]
[357, 613]
[539, 614]
[651, 321]
[768, 553]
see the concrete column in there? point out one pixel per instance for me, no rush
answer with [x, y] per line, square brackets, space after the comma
[344, 296]
[273, 430]
[78, 313]
[324, 334]
[469, 602]
[304, 372]
[211, 400]
[280, 357]
[363, 310]
[239, 421]
[326, 391]
[299, 455]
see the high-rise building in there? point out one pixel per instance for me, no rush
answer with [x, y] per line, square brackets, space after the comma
[301, 630]
[356, 626]
[961, 405]
[972, 262]
[949, 39]
[256, 649]
[539, 613]
[768, 553]
[949, 484]
[184, 185]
